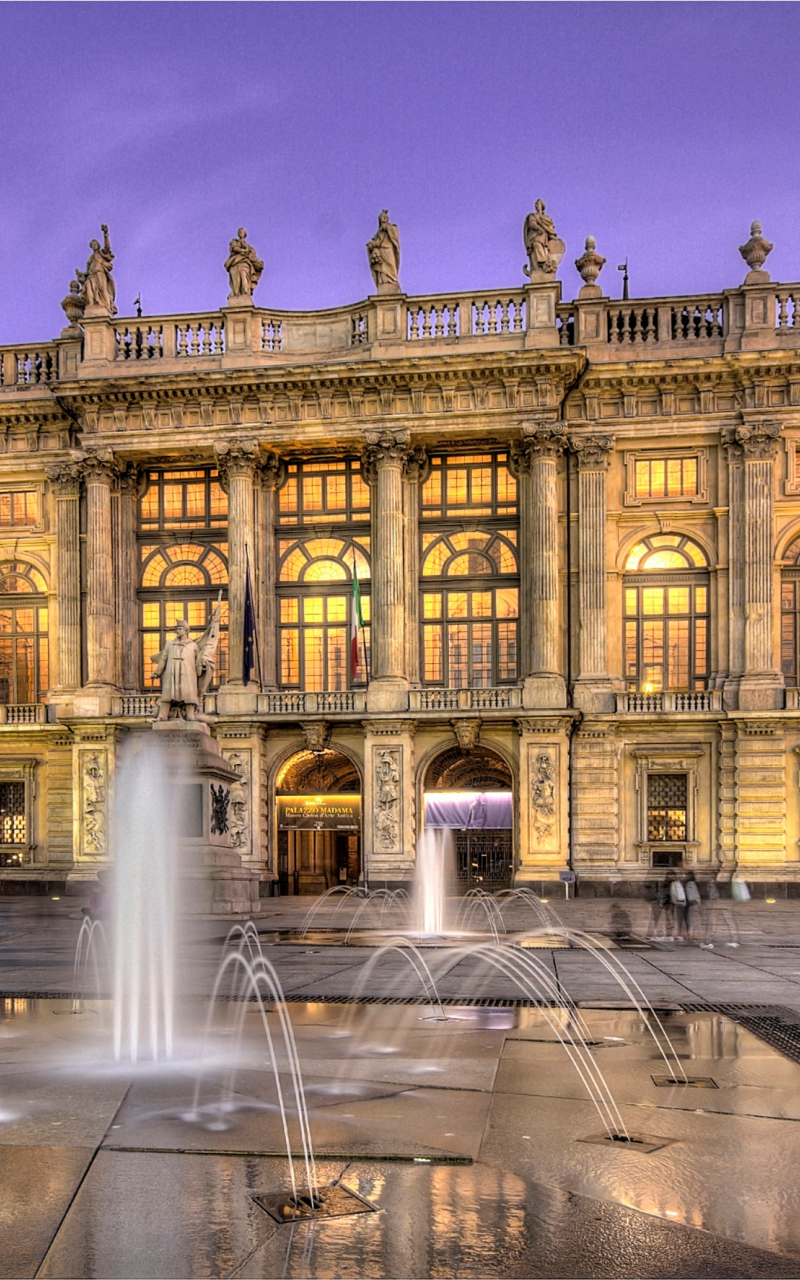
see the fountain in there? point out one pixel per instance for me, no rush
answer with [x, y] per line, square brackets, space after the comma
[434, 866]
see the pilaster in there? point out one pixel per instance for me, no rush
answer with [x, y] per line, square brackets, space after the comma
[761, 686]
[389, 828]
[593, 690]
[270, 476]
[535, 462]
[385, 457]
[65, 484]
[760, 794]
[237, 461]
[124, 504]
[543, 813]
[99, 470]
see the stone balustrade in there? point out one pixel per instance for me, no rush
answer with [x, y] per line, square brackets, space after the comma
[503, 698]
[670, 703]
[23, 713]
[531, 317]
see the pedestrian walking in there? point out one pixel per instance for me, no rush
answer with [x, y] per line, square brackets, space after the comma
[677, 901]
[691, 893]
[659, 908]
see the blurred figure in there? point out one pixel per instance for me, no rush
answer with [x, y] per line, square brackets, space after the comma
[99, 902]
[691, 894]
[677, 900]
[659, 908]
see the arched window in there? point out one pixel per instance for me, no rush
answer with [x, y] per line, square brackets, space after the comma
[790, 614]
[24, 672]
[181, 580]
[316, 603]
[666, 615]
[470, 605]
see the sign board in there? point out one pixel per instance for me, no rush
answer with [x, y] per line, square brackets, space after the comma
[319, 813]
[566, 877]
[469, 810]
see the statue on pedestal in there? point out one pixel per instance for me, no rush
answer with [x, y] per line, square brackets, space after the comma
[186, 668]
[99, 289]
[383, 251]
[243, 266]
[542, 245]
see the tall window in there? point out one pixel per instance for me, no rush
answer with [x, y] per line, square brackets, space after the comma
[469, 577]
[323, 541]
[24, 672]
[667, 811]
[790, 614]
[666, 588]
[182, 573]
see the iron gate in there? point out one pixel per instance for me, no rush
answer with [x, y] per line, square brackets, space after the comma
[483, 859]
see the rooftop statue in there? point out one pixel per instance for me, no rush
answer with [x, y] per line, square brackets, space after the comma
[186, 668]
[383, 251]
[542, 245]
[243, 266]
[98, 284]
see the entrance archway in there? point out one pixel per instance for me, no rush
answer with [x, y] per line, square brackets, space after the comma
[318, 804]
[471, 793]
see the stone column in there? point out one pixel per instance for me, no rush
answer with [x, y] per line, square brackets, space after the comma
[237, 466]
[736, 510]
[384, 460]
[415, 472]
[127, 578]
[65, 482]
[99, 471]
[761, 686]
[593, 688]
[271, 476]
[535, 462]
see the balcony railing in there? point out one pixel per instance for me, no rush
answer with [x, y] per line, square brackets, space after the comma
[23, 713]
[322, 703]
[665, 703]
[502, 698]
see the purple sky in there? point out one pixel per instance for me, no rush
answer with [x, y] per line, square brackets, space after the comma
[662, 129]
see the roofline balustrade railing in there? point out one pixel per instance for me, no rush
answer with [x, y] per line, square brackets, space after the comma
[753, 317]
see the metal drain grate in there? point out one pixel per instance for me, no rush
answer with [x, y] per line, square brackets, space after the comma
[691, 1082]
[776, 1025]
[642, 1142]
[334, 1201]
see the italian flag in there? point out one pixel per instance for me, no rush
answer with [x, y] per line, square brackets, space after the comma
[356, 622]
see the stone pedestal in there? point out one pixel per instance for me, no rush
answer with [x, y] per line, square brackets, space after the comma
[214, 880]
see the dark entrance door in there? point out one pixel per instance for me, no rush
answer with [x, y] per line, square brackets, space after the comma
[483, 860]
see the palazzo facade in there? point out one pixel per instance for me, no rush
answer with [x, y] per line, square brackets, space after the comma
[576, 533]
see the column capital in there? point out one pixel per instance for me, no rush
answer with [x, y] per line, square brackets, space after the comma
[731, 445]
[541, 441]
[130, 479]
[98, 466]
[759, 440]
[384, 449]
[65, 479]
[236, 459]
[272, 471]
[594, 451]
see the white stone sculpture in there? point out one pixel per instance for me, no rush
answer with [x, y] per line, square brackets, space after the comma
[542, 245]
[185, 667]
[383, 251]
[99, 289]
[243, 266]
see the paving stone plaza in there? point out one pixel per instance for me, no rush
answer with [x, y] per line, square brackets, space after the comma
[472, 1141]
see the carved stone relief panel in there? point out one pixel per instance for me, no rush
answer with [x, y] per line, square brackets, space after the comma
[93, 769]
[240, 814]
[543, 774]
[387, 791]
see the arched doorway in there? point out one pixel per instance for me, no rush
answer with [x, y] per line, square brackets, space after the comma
[318, 804]
[471, 793]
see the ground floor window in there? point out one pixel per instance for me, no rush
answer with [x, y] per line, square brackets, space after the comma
[13, 822]
[667, 807]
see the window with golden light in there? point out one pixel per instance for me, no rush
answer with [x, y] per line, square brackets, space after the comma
[666, 615]
[24, 666]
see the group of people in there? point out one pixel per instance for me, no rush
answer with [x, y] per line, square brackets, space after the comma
[673, 904]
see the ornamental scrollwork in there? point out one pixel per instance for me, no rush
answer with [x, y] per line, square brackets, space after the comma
[543, 795]
[387, 798]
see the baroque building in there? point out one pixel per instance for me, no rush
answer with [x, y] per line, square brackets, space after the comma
[575, 532]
